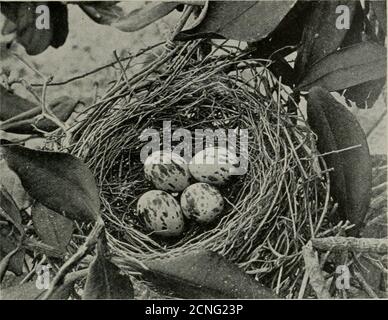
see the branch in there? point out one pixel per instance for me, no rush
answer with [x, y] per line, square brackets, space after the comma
[350, 243]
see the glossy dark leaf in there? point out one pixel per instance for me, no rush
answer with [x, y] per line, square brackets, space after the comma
[59, 23]
[24, 15]
[51, 227]
[347, 67]
[337, 127]
[104, 281]
[12, 104]
[357, 27]
[283, 41]
[59, 181]
[239, 20]
[321, 35]
[204, 275]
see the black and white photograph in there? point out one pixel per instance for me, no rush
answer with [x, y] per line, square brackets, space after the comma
[202, 151]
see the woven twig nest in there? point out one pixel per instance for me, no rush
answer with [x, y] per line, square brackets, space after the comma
[272, 210]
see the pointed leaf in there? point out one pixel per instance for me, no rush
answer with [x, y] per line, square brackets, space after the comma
[239, 20]
[321, 35]
[204, 275]
[142, 17]
[59, 181]
[354, 163]
[282, 42]
[104, 281]
[52, 228]
[347, 67]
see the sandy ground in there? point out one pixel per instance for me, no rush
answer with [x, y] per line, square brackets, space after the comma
[90, 45]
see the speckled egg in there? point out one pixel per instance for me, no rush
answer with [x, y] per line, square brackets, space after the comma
[167, 171]
[213, 165]
[202, 202]
[161, 213]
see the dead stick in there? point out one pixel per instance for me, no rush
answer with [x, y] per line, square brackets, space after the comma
[350, 243]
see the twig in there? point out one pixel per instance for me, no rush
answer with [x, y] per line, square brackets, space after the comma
[60, 83]
[350, 243]
[314, 272]
[91, 240]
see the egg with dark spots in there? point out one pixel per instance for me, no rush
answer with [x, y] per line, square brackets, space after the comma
[167, 171]
[214, 165]
[161, 213]
[202, 202]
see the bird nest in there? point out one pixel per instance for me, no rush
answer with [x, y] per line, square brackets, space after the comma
[271, 211]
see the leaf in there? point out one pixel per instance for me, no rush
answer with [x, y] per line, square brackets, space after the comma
[52, 228]
[59, 181]
[104, 12]
[62, 107]
[364, 95]
[59, 23]
[142, 17]
[357, 27]
[24, 15]
[12, 104]
[11, 212]
[11, 182]
[104, 281]
[283, 41]
[4, 262]
[239, 20]
[336, 127]
[321, 35]
[9, 241]
[347, 67]
[11, 256]
[204, 275]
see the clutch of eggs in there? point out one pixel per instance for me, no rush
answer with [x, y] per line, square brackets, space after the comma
[167, 171]
[214, 165]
